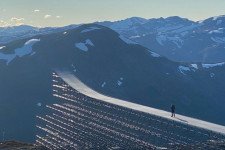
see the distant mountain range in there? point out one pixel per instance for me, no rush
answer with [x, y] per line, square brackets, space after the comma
[109, 63]
[176, 38]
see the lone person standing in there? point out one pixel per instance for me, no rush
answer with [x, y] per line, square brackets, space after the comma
[173, 110]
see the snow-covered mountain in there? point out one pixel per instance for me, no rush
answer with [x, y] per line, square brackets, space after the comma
[8, 34]
[109, 63]
[176, 38]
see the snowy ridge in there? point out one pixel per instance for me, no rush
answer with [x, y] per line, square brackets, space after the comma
[75, 83]
[213, 65]
[1, 47]
[89, 29]
[182, 69]
[20, 52]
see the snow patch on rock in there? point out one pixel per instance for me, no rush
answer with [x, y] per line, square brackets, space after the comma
[103, 84]
[188, 28]
[27, 48]
[218, 39]
[176, 40]
[212, 75]
[217, 17]
[90, 29]
[88, 42]
[218, 31]
[182, 69]
[218, 22]
[1, 47]
[213, 65]
[119, 83]
[194, 66]
[83, 46]
[20, 52]
[39, 104]
[153, 54]
[33, 53]
[160, 39]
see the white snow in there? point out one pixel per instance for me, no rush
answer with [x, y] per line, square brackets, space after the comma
[20, 52]
[188, 28]
[194, 66]
[75, 83]
[184, 33]
[182, 69]
[218, 39]
[89, 42]
[176, 40]
[39, 104]
[33, 53]
[103, 84]
[27, 48]
[160, 39]
[74, 68]
[90, 29]
[126, 40]
[83, 46]
[154, 54]
[213, 65]
[218, 31]
[218, 22]
[119, 83]
[32, 41]
[127, 24]
[7, 57]
[217, 17]
[134, 37]
[1, 47]
[212, 75]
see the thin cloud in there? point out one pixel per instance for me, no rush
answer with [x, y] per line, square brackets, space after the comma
[47, 16]
[58, 17]
[17, 19]
[19, 24]
[4, 24]
[36, 10]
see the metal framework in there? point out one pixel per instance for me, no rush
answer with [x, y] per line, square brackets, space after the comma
[82, 122]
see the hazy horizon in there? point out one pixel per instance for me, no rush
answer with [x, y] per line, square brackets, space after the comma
[44, 13]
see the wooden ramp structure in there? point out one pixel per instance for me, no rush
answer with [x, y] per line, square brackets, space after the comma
[86, 119]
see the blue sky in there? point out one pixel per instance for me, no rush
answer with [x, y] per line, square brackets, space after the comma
[64, 12]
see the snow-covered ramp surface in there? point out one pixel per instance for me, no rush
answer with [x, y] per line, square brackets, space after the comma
[75, 83]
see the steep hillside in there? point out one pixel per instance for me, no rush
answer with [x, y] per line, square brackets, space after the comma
[110, 64]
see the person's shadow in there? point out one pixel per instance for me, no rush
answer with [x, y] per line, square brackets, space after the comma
[181, 120]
